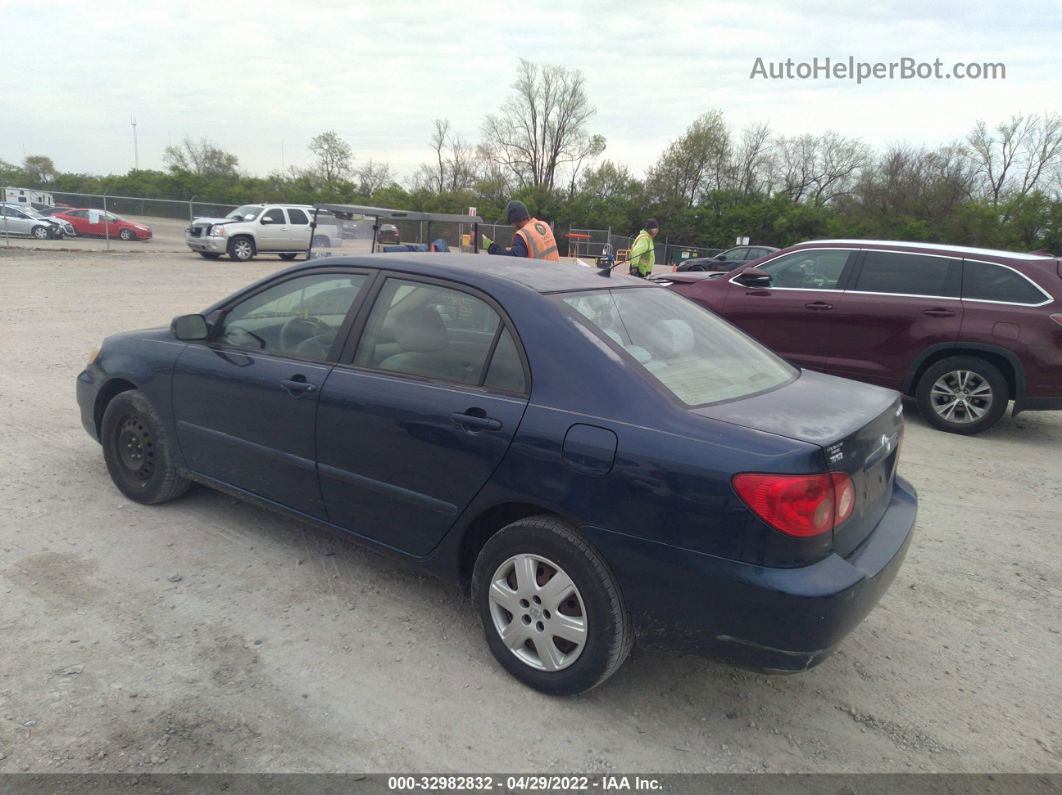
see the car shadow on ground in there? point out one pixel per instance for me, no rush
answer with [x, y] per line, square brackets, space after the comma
[1028, 428]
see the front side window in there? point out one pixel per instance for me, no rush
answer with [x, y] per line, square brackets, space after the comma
[906, 274]
[276, 215]
[298, 317]
[434, 332]
[818, 269]
[984, 281]
[695, 355]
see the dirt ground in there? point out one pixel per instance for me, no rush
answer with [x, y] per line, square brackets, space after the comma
[209, 635]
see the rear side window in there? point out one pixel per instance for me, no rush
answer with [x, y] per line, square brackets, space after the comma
[984, 281]
[297, 216]
[907, 274]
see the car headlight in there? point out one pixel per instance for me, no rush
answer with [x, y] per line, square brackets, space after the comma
[218, 230]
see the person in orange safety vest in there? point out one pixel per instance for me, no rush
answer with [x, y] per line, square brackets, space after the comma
[533, 238]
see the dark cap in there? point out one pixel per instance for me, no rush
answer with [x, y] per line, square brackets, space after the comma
[516, 211]
[652, 223]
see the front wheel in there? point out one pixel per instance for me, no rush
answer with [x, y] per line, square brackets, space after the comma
[40, 232]
[138, 453]
[241, 249]
[551, 609]
[962, 394]
[209, 255]
[288, 257]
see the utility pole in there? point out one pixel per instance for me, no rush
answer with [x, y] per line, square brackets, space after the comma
[282, 166]
[136, 149]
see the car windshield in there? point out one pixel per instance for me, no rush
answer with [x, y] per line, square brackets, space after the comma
[695, 355]
[247, 212]
[27, 210]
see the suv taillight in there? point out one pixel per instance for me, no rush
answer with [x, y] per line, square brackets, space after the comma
[798, 505]
[1057, 319]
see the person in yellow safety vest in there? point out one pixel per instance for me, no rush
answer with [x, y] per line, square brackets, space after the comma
[643, 250]
[533, 238]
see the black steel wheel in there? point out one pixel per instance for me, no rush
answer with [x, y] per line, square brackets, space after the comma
[138, 454]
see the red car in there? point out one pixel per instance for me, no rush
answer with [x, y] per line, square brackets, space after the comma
[102, 224]
[962, 330]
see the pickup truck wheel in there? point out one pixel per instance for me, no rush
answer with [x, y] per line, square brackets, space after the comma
[40, 232]
[551, 609]
[323, 241]
[138, 453]
[241, 249]
[288, 257]
[962, 394]
[209, 255]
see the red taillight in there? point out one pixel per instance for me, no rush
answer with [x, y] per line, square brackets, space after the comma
[1057, 318]
[798, 505]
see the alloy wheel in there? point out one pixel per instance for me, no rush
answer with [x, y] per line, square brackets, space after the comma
[538, 612]
[961, 396]
[242, 249]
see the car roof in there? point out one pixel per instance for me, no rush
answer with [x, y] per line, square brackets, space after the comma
[473, 269]
[942, 247]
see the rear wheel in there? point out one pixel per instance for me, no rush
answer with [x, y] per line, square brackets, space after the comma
[241, 249]
[322, 241]
[551, 609]
[962, 394]
[138, 453]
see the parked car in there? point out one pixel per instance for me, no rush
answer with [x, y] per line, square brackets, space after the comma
[426, 412]
[726, 260]
[388, 233]
[100, 223]
[962, 330]
[252, 229]
[23, 220]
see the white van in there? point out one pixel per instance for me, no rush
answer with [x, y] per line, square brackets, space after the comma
[27, 196]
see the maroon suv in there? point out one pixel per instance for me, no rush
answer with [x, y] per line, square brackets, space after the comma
[963, 330]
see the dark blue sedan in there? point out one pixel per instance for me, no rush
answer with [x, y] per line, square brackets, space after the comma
[600, 458]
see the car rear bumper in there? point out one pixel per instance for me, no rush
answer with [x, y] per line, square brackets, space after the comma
[772, 619]
[212, 245]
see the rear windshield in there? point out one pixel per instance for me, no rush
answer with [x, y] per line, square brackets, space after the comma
[696, 356]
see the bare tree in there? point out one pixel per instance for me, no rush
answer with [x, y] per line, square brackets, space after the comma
[373, 176]
[461, 164]
[439, 137]
[753, 160]
[202, 158]
[820, 168]
[335, 158]
[1043, 150]
[694, 163]
[542, 125]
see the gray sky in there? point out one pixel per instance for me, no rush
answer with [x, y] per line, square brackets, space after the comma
[255, 76]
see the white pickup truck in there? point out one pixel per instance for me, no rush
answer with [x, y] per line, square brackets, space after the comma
[252, 229]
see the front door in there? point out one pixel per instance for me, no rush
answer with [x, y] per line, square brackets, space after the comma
[415, 425]
[245, 404]
[273, 234]
[795, 315]
[896, 306]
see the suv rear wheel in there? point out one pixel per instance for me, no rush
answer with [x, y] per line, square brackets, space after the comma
[962, 394]
[241, 249]
[550, 607]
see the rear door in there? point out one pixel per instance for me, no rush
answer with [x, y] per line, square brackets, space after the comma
[414, 423]
[795, 316]
[298, 229]
[897, 305]
[245, 403]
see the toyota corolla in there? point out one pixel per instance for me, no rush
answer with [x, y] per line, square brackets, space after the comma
[600, 459]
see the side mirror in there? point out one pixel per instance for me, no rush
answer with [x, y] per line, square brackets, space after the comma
[266, 220]
[754, 277]
[190, 328]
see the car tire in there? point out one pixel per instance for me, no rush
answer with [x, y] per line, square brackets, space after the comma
[209, 255]
[139, 454]
[962, 394]
[288, 257]
[542, 605]
[323, 241]
[40, 232]
[242, 249]
[696, 268]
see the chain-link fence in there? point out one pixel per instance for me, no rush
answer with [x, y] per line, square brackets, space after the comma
[138, 205]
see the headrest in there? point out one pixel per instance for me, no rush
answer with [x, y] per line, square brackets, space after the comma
[671, 338]
[421, 331]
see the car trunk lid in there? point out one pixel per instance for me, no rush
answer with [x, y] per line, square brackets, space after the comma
[858, 427]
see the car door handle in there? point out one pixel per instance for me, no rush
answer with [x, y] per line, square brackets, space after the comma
[939, 312]
[298, 386]
[818, 306]
[474, 422]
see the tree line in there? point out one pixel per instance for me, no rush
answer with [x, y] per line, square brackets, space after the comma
[997, 185]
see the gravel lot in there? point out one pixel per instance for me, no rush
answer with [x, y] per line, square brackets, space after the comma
[209, 635]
